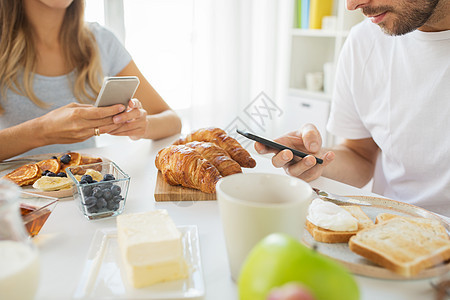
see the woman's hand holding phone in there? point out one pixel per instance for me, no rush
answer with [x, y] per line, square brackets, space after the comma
[120, 90]
[132, 122]
[76, 122]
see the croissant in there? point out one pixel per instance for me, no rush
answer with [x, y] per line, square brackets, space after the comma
[223, 140]
[181, 165]
[217, 156]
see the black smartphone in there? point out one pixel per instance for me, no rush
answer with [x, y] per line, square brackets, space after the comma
[274, 145]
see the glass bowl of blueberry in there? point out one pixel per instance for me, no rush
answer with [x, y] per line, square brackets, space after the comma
[101, 189]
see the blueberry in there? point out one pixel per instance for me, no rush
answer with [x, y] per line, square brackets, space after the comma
[97, 192]
[101, 203]
[116, 190]
[54, 157]
[65, 159]
[51, 174]
[92, 209]
[83, 182]
[113, 206]
[105, 185]
[108, 177]
[87, 190]
[107, 194]
[117, 199]
[45, 172]
[61, 174]
[87, 178]
[90, 201]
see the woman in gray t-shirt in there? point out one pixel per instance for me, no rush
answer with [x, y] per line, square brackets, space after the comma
[52, 65]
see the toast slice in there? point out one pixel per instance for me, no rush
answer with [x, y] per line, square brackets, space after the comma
[401, 245]
[329, 236]
[429, 224]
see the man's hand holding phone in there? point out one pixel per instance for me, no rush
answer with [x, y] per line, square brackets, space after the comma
[307, 139]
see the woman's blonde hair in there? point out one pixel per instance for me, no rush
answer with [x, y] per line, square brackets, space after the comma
[18, 53]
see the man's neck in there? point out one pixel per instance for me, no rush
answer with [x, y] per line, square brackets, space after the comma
[440, 20]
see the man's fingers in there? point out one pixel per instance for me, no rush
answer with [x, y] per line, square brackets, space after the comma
[308, 169]
[282, 158]
[311, 138]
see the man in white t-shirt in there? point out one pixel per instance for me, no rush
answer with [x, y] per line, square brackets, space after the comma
[391, 105]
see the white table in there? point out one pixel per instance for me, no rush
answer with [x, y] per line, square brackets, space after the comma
[64, 240]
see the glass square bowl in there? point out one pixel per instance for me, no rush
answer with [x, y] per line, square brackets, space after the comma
[35, 210]
[101, 189]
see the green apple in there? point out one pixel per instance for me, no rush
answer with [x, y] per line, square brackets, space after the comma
[279, 259]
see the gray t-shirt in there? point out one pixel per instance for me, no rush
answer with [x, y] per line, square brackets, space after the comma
[57, 91]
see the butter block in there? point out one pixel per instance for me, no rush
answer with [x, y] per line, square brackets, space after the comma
[148, 238]
[142, 276]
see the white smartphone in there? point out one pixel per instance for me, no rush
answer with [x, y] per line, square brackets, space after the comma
[117, 90]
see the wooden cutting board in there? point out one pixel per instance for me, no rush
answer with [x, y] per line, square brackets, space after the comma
[167, 192]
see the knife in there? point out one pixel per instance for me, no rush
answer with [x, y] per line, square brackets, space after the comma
[340, 199]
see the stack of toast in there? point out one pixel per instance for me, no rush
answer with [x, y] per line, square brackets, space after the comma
[404, 245]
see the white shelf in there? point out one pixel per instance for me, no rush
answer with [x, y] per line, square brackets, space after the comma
[314, 32]
[320, 95]
[312, 49]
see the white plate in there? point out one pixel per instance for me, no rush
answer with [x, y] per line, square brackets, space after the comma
[65, 194]
[361, 266]
[104, 276]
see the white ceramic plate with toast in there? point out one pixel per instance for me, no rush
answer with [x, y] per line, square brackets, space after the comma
[63, 193]
[104, 274]
[361, 266]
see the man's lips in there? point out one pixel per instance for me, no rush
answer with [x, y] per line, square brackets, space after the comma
[377, 18]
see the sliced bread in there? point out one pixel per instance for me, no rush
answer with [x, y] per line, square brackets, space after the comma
[401, 245]
[429, 224]
[330, 236]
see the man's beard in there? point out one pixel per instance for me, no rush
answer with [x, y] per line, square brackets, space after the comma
[408, 17]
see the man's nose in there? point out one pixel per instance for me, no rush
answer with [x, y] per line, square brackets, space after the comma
[355, 4]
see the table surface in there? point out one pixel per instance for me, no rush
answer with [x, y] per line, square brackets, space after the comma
[65, 238]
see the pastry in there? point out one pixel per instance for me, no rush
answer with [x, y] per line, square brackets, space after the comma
[24, 175]
[223, 140]
[28, 174]
[51, 165]
[217, 156]
[75, 160]
[181, 165]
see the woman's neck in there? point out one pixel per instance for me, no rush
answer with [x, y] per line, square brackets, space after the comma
[45, 21]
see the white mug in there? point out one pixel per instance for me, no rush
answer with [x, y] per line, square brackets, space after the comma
[314, 81]
[254, 205]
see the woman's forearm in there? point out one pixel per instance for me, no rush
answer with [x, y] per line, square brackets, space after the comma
[162, 125]
[21, 138]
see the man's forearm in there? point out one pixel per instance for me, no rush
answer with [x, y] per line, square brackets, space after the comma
[349, 167]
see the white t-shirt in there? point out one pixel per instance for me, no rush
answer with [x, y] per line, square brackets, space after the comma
[57, 90]
[396, 89]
